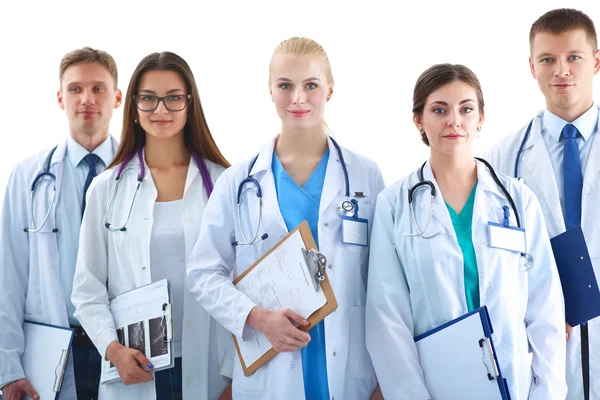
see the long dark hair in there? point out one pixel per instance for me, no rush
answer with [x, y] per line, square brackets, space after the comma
[196, 134]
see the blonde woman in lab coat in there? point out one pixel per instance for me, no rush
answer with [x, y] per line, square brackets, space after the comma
[302, 174]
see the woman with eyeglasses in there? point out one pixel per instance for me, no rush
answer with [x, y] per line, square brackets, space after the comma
[146, 233]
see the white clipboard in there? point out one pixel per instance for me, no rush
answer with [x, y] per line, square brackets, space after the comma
[144, 321]
[49, 343]
[459, 361]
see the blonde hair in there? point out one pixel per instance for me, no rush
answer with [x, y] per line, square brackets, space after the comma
[303, 46]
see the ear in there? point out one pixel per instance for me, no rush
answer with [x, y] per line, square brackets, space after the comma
[271, 93]
[418, 120]
[597, 62]
[59, 97]
[330, 94]
[532, 68]
[118, 98]
[481, 119]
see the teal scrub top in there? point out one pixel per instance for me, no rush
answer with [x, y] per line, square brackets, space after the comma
[464, 233]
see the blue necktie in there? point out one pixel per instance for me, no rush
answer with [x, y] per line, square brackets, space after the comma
[91, 160]
[573, 180]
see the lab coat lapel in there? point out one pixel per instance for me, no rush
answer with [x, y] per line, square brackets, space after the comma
[486, 197]
[593, 165]
[334, 178]
[263, 173]
[440, 212]
[536, 169]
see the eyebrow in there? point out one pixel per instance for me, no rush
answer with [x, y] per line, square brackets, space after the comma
[289, 80]
[443, 103]
[168, 92]
[87, 83]
[552, 55]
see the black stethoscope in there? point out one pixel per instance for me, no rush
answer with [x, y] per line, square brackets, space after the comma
[346, 207]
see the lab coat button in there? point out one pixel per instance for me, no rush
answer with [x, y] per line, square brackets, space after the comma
[188, 324]
[143, 268]
[334, 353]
[326, 223]
[292, 366]
[489, 290]
[330, 266]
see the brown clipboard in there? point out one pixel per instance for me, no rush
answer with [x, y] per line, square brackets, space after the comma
[313, 319]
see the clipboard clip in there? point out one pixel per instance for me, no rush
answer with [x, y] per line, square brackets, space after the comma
[316, 263]
[166, 307]
[490, 357]
[59, 371]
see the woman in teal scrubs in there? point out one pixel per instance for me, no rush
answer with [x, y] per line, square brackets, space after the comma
[431, 260]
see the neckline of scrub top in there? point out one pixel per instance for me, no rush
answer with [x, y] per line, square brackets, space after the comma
[278, 169]
[466, 214]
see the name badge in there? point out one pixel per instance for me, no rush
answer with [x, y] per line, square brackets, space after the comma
[509, 238]
[355, 231]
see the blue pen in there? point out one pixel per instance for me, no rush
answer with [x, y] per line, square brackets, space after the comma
[506, 215]
[355, 202]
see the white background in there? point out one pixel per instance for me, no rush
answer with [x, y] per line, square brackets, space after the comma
[377, 50]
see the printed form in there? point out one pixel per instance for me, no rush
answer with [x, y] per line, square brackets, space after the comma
[281, 280]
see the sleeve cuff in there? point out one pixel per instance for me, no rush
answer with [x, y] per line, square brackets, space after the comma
[104, 339]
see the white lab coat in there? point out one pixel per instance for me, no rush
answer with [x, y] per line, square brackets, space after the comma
[536, 170]
[417, 284]
[123, 258]
[349, 369]
[30, 272]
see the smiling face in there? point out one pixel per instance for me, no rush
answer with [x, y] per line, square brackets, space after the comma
[451, 118]
[564, 66]
[162, 123]
[300, 88]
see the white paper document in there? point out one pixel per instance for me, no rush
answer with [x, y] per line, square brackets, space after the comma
[281, 280]
[143, 321]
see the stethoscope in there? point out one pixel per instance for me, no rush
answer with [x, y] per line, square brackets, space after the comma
[526, 259]
[45, 174]
[521, 149]
[346, 207]
[140, 177]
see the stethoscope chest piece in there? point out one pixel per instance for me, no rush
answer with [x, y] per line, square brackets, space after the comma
[346, 208]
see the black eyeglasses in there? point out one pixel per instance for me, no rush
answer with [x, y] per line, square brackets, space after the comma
[172, 102]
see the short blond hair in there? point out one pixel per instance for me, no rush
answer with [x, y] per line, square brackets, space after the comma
[87, 54]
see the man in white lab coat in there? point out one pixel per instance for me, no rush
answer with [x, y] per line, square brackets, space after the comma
[38, 252]
[558, 157]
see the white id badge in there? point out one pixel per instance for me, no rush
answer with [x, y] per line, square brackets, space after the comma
[509, 238]
[355, 231]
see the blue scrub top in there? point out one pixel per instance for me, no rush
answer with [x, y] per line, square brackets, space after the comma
[296, 204]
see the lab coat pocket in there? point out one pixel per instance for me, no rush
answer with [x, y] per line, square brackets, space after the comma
[253, 387]
[359, 360]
